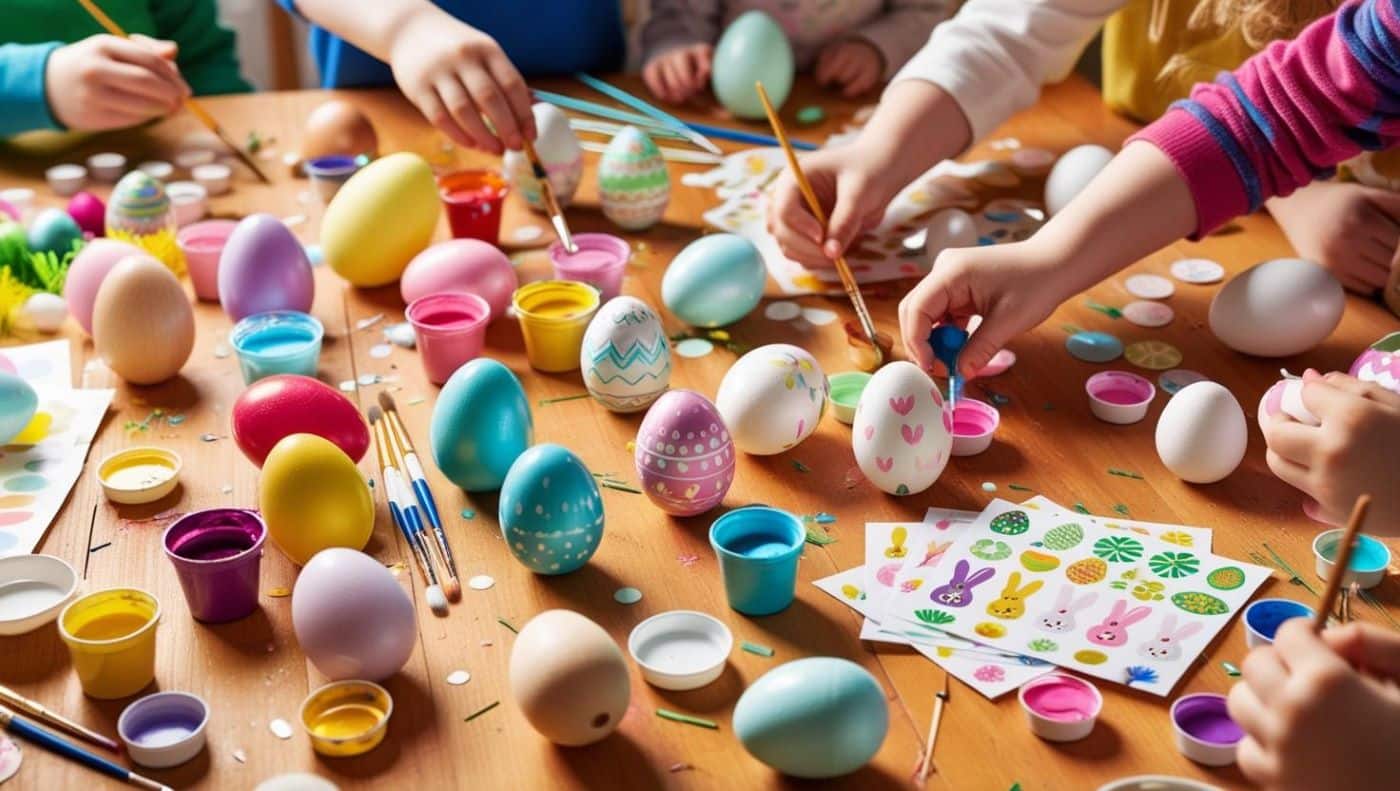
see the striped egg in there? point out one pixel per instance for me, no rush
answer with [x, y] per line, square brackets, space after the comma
[138, 206]
[633, 185]
[684, 455]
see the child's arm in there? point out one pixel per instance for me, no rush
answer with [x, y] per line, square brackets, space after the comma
[23, 105]
[206, 57]
[678, 41]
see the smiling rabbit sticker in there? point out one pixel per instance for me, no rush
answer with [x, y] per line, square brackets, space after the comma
[957, 592]
[1166, 646]
[1012, 604]
[1113, 630]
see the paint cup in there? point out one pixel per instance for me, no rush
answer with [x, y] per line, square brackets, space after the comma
[189, 202]
[1369, 559]
[451, 329]
[553, 315]
[473, 200]
[217, 554]
[347, 717]
[33, 588]
[758, 548]
[66, 179]
[165, 729]
[1119, 397]
[111, 637]
[203, 244]
[277, 342]
[1262, 619]
[214, 177]
[140, 475]
[107, 166]
[1156, 783]
[846, 388]
[680, 649]
[974, 423]
[1060, 707]
[600, 261]
[1204, 731]
[328, 174]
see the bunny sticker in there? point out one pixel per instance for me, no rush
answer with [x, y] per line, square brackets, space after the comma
[1012, 604]
[1060, 617]
[957, 592]
[1166, 646]
[1113, 630]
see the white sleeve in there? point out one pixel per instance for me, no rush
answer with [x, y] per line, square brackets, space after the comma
[994, 55]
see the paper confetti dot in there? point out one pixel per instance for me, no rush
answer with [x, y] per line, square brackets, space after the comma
[1153, 355]
[782, 311]
[280, 728]
[1200, 271]
[240, 755]
[1032, 160]
[347, 386]
[279, 592]
[401, 334]
[819, 316]
[380, 350]
[1094, 347]
[1149, 286]
[527, 233]
[1177, 378]
[694, 347]
[627, 596]
[481, 582]
[366, 380]
[458, 677]
[1148, 314]
[811, 114]
[314, 254]
[988, 486]
[468, 513]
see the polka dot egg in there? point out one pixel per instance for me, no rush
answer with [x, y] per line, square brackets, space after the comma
[551, 512]
[684, 454]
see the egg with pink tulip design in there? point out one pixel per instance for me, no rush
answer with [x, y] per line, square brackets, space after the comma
[1380, 363]
[903, 430]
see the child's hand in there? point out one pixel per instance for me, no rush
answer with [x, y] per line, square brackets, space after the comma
[1320, 711]
[678, 74]
[107, 82]
[1349, 454]
[1351, 229]
[852, 64]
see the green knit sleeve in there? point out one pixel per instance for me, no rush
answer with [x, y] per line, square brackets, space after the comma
[207, 58]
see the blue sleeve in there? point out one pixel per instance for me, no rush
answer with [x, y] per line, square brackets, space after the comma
[23, 104]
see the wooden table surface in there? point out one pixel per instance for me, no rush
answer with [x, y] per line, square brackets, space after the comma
[252, 672]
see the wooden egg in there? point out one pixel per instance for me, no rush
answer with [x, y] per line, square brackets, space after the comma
[142, 323]
[569, 678]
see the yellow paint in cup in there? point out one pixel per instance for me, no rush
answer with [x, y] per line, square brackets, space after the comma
[111, 636]
[347, 718]
[554, 315]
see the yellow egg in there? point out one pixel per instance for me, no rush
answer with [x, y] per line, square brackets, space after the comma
[383, 216]
[313, 497]
[142, 322]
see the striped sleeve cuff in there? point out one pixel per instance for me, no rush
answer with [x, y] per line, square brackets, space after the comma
[1215, 169]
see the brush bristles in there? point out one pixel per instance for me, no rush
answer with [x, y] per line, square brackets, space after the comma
[452, 588]
[374, 415]
[387, 401]
[437, 602]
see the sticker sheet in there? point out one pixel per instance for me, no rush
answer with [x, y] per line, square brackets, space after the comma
[40, 364]
[1181, 535]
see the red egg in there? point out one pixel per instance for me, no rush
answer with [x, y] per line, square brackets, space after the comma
[278, 406]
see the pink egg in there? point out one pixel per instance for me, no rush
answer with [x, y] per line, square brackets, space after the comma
[684, 456]
[89, 212]
[1286, 396]
[1380, 363]
[90, 267]
[468, 265]
[351, 617]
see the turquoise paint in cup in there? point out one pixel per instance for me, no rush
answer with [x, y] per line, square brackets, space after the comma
[277, 342]
[758, 548]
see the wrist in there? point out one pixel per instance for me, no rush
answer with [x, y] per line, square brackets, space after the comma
[916, 125]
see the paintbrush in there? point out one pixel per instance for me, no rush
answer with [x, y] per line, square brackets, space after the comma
[397, 495]
[195, 108]
[56, 744]
[668, 153]
[927, 760]
[414, 467]
[848, 280]
[551, 201]
[37, 710]
[646, 108]
[1342, 561]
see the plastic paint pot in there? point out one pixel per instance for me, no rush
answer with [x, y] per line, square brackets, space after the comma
[974, 423]
[347, 718]
[217, 554]
[450, 328]
[140, 475]
[1060, 707]
[203, 244]
[600, 261]
[33, 588]
[277, 342]
[680, 649]
[1369, 559]
[1262, 619]
[1119, 397]
[554, 315]
[846, 388]
[473, 200]
[1204, 731]
[111, 637]
[329, 173]
[758, 549]
[165, 729]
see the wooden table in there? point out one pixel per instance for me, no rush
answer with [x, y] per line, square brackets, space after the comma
[252, 672]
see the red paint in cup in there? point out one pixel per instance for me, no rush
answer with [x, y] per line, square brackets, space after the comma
[451, 329]
[473, 200]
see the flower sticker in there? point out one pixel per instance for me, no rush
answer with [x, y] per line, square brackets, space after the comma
[1174, 565]
[1043, 644]
[934, 617]
[989, 674]
[1118, 549]
[987, 549]
[1177, 537]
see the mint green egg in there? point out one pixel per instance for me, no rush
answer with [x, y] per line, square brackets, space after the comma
[753, 49]
[716, 280]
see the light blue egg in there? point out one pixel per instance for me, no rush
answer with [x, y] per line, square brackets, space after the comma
[551, 512]
[53, 230]
[716, 280]
[754, 48]
[816, 717]
[481, 424]
[17, 405]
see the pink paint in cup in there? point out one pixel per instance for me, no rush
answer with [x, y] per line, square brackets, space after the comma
[451, 329]
[1119, 397]
[974, 423]
[1061, 707]
[203, 244]
[600, 262]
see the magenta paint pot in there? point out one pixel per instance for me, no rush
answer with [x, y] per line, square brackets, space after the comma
[1060, 707]
[974, 423]
[600, 262]
[451, 329]
[217, 554]
[1204, 731]
[1119, 397]
[203, 244]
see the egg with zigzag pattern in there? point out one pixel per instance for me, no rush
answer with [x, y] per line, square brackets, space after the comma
[625, 359]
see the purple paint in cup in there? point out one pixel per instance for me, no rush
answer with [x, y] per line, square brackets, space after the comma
[217, 555]
[1204, 731]
[600, 262]
[203, 244]
[451, 329]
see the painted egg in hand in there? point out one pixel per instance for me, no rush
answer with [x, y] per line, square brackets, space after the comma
[772, 398]
[351, 617]
[1380, 363]
[1286, 398]
[551, 512]
[313, 498]
[633, 185]
[903, 430]
[569, 678]
[716, 280]
[625, 358]
[262, 268]
[684, 456]
[461, 265]
[481, 424]
[89, 269]
[142, 322]
[560, 155]
[279, 406]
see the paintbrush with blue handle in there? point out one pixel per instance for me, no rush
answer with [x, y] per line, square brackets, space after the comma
[451, 584]
[399, 508]
[28, 731]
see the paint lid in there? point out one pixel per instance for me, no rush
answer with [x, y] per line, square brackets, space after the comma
[139, 475]
[347, 717]
[680, 649]
[846, 387]
[33, 589]
[165, 729]
[974, 423]
[1094, 347]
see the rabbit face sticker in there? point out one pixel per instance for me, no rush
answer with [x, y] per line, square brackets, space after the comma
[957, 592]
[1060, 617]
[1113, 630]
[1012, 604]
[1166, 646]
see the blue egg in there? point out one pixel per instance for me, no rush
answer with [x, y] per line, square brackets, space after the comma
[17, 405]
[817, 717]
[753, 49]
[53, 230]
[551, 512]
[716, 280]
[480, 425]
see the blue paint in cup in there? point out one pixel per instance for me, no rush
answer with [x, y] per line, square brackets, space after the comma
[758, 548]
[1263, 618]
[277, 342]
[329, 173]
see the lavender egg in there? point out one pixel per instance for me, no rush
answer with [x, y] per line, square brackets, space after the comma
[684, 456]
[351, 617]
[264, 267]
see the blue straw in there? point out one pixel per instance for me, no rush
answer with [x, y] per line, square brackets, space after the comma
[740, 136]
[645, 108]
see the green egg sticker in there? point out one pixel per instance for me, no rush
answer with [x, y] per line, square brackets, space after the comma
[1226, 578]
[1011, 523]
[1198, 603]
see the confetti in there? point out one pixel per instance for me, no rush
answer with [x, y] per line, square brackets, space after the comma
[222, 350]
[380, 350]
[694, 347]
[676, 716]
[627, 596]
[1094, 347]
[1153, 355]
[240, 755]
[680, 767]
[1107, 310]
[1148, 314]
[1016, 487]
[366, 380]
[782, 311]
[1198, 271]
[414, 401]
[755, 648]
[988, 486]
[208, 437]
[401, 334]
[561, 399]
[1177, 378]
[1230, 669]
[227, 488]
[819, 536]
[688, 560]
[468, 513]
[506, 624]
[481, 582]
[369, 321]
[347, 386]
[481, 711]
[1149, 286]
[1081, 509]
[280, 728]
[819, 316]
[527, 233]
[620, 487]
[810, 115]
[279, 592]
[1120, 509]
[458, 677]
[821, 518]
[799, 466]
[175, 420]
[1124, 473]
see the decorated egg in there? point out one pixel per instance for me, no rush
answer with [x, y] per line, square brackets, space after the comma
[352, 618]
[89, 212]
[466, 265]
[903, 431]
[1063, 537]
[1087, 571]
[1198, 603]
[1072, 173]
[481, 424]
[772, 398]
[380, 219]
[89, 269]
[1286, 397]
[716, 280]
[1278, 308]
[569, 678]
[817, 717]
[17, 404]
[138, 206]
[313, 497]
[684, 456]
[1011, 523]
[625, 359]
[551, 512]
[1201, 434]
[1380, 363]
[142, 323]
[278, 406]
[263, 267]
[46, 311]
[633, 185]
[338, 127]
[1039, 561]
[53, 231]
[753, 49]
[560, 155]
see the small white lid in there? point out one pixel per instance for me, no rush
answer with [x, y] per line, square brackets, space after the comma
[157, 169]
[184, 192]
[214, 171]
[680, 649]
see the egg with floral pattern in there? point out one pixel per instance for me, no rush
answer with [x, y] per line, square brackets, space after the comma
[625, 358]
[1380, 363]
[551, 513]
[772, 398]
[633, 185]
[684, 455]
[903, 430]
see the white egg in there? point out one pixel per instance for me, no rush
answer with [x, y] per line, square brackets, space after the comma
[625, 359]
[47, 311]
[903, 430]
[1072, 173]
[1201, 435]
[950, 228]
[633, 186]
[1286, 397]
[772, 398]
[560, 155]
[1278, 308]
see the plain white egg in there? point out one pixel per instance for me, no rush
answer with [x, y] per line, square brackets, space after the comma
[1201, 435]
[47, 311]
[1072, 173]
[1278, 308]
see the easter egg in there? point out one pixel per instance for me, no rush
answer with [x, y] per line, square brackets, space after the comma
[1011, 523]
[1278, 308]
[684, 456]
[817, 717]
[13, 237]
[46, 311]
[138, 206]
[466, 265]
[1087, 571]
[380, 219]
[313, 498]
[633, 185]
[1226, 578]
[902, 432]
[772, 398]
[1380, 363]
[264, 267]
[338, 127]
[17, 404]
[1201, 434]
[569, 678]
[89, 269]
[53, 231]
[753, 49]
[481, 424]
[625, 359]
[89, 212]
[1071, 173]
[1063, 537]
[142, 322]
[1039, 561]
[1286, 397]
[278, 406]
[551, 512]
[560, 154]
[1198, 603]
[352, 618]
[716, 280]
